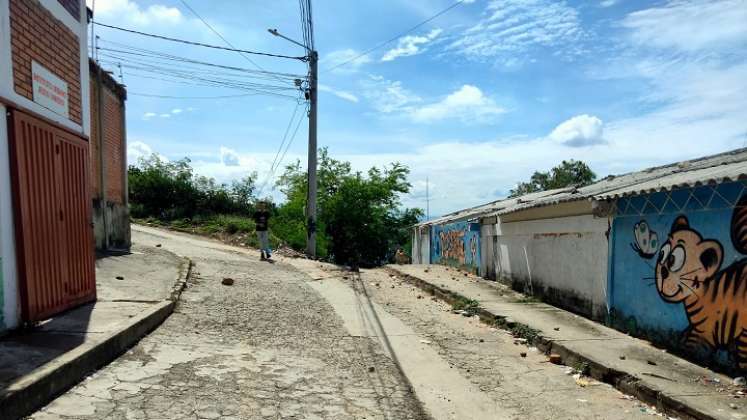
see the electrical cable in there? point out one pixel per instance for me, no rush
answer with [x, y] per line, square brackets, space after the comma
[368, 51]
[197, 44]
[194, 12]
[211, 78]
[163, 56]
[271, 174]
[285, 136]
[148, 95]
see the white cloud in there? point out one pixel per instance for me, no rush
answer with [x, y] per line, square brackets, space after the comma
[117, 11]
[229, 157]
[387, 96]
[608, 3]
[468, 104]
[579, 131]
[339, 93]
[512, 29]
[690, 25]
[176, 111]
[149, 115]
[410, 45]
[336, 58]
[137, 150]
[165, 115]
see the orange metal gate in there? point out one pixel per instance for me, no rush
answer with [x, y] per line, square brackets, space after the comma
[52, 207]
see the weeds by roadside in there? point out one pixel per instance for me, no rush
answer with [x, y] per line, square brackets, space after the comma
[236, 230]
[467, 306]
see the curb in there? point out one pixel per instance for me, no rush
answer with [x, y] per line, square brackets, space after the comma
[47, 382]
[623, 381]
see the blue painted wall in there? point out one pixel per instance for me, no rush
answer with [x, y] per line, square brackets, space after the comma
[457, 245]
[641, 231]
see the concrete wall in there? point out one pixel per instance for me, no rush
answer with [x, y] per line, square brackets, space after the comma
[563, 260]
[677, 274]
[117, 221]
[488, 248]
[456, 244]
[10, 312]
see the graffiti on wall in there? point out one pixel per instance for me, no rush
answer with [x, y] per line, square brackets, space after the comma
[452, 245]
[456, 244]
[696, 264]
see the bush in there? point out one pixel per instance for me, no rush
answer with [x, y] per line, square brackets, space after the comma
[169, 191]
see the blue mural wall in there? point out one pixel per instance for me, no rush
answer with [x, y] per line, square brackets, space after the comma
[456, 244]
[677, 271]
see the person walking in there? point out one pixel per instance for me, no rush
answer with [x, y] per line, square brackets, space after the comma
[261, 222]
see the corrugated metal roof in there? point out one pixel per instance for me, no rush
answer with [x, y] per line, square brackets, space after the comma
[491, 208]
[729, 166]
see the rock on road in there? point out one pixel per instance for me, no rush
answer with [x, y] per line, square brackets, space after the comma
[266, 347]
[304, 340]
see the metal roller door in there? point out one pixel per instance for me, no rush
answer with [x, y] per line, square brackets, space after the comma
[52, 217]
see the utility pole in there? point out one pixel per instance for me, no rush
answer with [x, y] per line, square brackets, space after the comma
[311, 199]
[313, 58]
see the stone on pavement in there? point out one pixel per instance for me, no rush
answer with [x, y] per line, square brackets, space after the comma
[646, 371]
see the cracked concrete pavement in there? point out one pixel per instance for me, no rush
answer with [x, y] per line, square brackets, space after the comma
[288, 341]
[266, 347]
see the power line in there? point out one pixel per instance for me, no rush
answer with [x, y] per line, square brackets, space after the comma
[368, 51]
[285, 136]
[198, 75]
[271, 172]
[218, 85]
[163, 56]
[148, 95]
[197, 44]
[215, 31]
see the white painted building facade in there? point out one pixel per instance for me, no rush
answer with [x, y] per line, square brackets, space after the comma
[59, 13]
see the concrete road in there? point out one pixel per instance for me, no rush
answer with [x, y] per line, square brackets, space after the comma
[267, 347]
[303, 340]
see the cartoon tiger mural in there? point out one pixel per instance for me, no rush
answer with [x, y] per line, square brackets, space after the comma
[688, 271]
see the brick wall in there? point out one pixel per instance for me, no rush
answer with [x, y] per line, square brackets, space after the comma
[94, 141]
[113, 148]
[36, 35]
[115, 142]
[72, 6]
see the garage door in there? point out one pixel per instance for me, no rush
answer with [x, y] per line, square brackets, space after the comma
[52, 217]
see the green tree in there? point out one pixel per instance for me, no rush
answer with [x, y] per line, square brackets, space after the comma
[569, 172]
[360, 221]
[170, 190]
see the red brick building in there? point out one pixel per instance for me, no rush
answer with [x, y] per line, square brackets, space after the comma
[110, 207]
[50, 161]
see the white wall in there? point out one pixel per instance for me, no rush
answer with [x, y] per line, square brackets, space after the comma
[568, 254]
[8, 276]
[421, 245]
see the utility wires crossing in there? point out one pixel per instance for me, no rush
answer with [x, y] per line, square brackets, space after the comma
[197, 44]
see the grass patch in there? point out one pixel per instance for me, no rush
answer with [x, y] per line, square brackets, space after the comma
[233, 229]
[525, 331]
[469, 306]
[582, 367]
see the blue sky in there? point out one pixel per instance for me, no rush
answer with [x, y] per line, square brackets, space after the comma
[475, 100]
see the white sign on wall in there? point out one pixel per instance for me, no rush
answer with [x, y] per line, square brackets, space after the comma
[49, 90]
